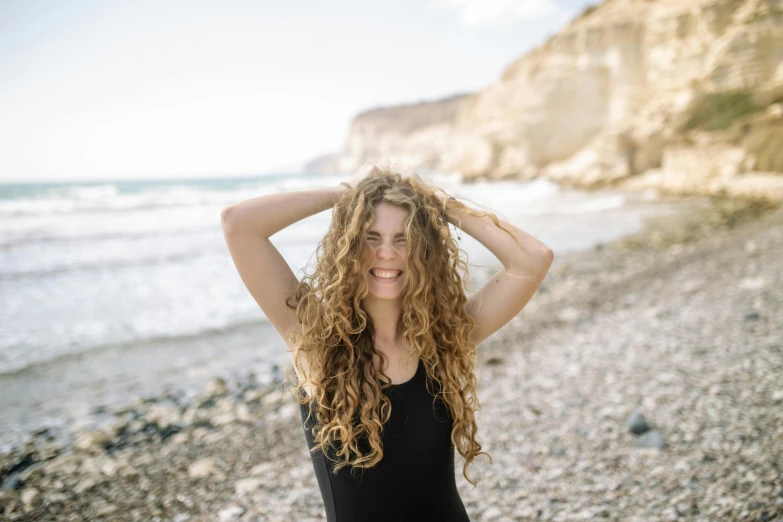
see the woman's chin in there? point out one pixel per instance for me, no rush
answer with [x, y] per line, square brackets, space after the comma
[376, 294]
[386, 290]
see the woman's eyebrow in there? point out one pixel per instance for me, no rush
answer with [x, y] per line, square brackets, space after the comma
[398, 234]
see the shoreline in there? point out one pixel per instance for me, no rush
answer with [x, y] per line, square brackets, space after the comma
[67, 380]
[235, 451]
[67, 392]
[64, 389]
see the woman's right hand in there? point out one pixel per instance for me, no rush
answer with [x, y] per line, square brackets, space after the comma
[367, 170]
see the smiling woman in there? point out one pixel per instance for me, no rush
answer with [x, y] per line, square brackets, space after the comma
[382, 335]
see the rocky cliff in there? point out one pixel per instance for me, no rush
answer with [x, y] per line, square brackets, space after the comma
[416, 134]
[610, 100]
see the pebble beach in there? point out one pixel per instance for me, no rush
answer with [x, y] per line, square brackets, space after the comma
[643, 382]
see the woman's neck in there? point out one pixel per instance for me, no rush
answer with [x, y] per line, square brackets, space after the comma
[385, 314]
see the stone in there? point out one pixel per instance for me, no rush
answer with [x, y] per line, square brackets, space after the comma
[215, 387]
[492, 513]
[205, 467]
[66, 464]
[637, 424]
[753, 283]
[85, 485]
[12, 482]
[165, 416]
[30, 496]
[265, 468]
[569, 314]
[248, 485]
[32, 473]
[92, 441]
[230, 513]
[106, 510]
[652, 439]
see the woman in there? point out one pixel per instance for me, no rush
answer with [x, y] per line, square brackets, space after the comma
[382, 336]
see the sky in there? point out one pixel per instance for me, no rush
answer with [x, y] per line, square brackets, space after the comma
[102, 90]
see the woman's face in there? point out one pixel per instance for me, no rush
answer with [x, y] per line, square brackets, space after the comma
[388, 251]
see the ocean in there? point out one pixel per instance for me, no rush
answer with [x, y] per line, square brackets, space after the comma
[116, 289]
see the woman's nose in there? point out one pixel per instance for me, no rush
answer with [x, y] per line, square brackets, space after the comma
[386, 251]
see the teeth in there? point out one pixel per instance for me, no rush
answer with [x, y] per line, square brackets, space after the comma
[384, 274]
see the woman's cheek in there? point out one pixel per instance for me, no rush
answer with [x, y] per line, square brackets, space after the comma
[367, 256]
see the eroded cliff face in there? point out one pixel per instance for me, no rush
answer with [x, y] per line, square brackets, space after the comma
[416, 134]
[603, 102]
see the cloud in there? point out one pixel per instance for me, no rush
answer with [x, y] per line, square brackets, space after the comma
[491, 12]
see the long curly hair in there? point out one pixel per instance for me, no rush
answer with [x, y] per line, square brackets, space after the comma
[335, 335]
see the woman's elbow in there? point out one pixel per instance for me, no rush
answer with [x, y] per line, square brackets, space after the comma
[546, 258]
[225, 221]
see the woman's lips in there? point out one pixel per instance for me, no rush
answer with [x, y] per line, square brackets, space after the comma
[386, 280]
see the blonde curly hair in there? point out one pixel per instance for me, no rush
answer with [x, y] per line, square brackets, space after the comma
[336, 335]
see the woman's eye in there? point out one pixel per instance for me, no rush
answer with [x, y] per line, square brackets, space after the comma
[401, 241]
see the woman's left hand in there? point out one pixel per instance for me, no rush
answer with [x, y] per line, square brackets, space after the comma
[439, 193]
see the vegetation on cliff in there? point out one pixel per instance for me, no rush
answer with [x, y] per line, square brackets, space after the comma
[739, 117]
[765, 141]
[717, 111]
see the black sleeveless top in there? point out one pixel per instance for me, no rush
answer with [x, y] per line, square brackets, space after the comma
[415, 479]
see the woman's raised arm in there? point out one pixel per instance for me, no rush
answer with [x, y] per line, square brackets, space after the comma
[247, 226]
[525, 260]
[507, 292]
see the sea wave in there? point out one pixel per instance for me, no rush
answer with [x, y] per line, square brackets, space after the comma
[45, 236]
[112, 265]
[118, 204]
[22, 367]
[116, 198]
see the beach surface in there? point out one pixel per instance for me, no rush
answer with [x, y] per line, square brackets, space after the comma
[672, 333]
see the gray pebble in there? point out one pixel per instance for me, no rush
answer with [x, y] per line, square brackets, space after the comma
[637, 424]
[652, 439]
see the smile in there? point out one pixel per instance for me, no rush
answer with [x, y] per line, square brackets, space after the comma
[386, 276]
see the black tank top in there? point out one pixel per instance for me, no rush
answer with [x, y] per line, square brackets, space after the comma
[415, 479]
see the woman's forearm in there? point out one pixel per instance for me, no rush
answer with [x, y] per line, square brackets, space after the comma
[533, 255]
[267, 215]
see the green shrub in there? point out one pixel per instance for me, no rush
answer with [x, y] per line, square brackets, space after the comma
[766, 143]
[716, 111]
